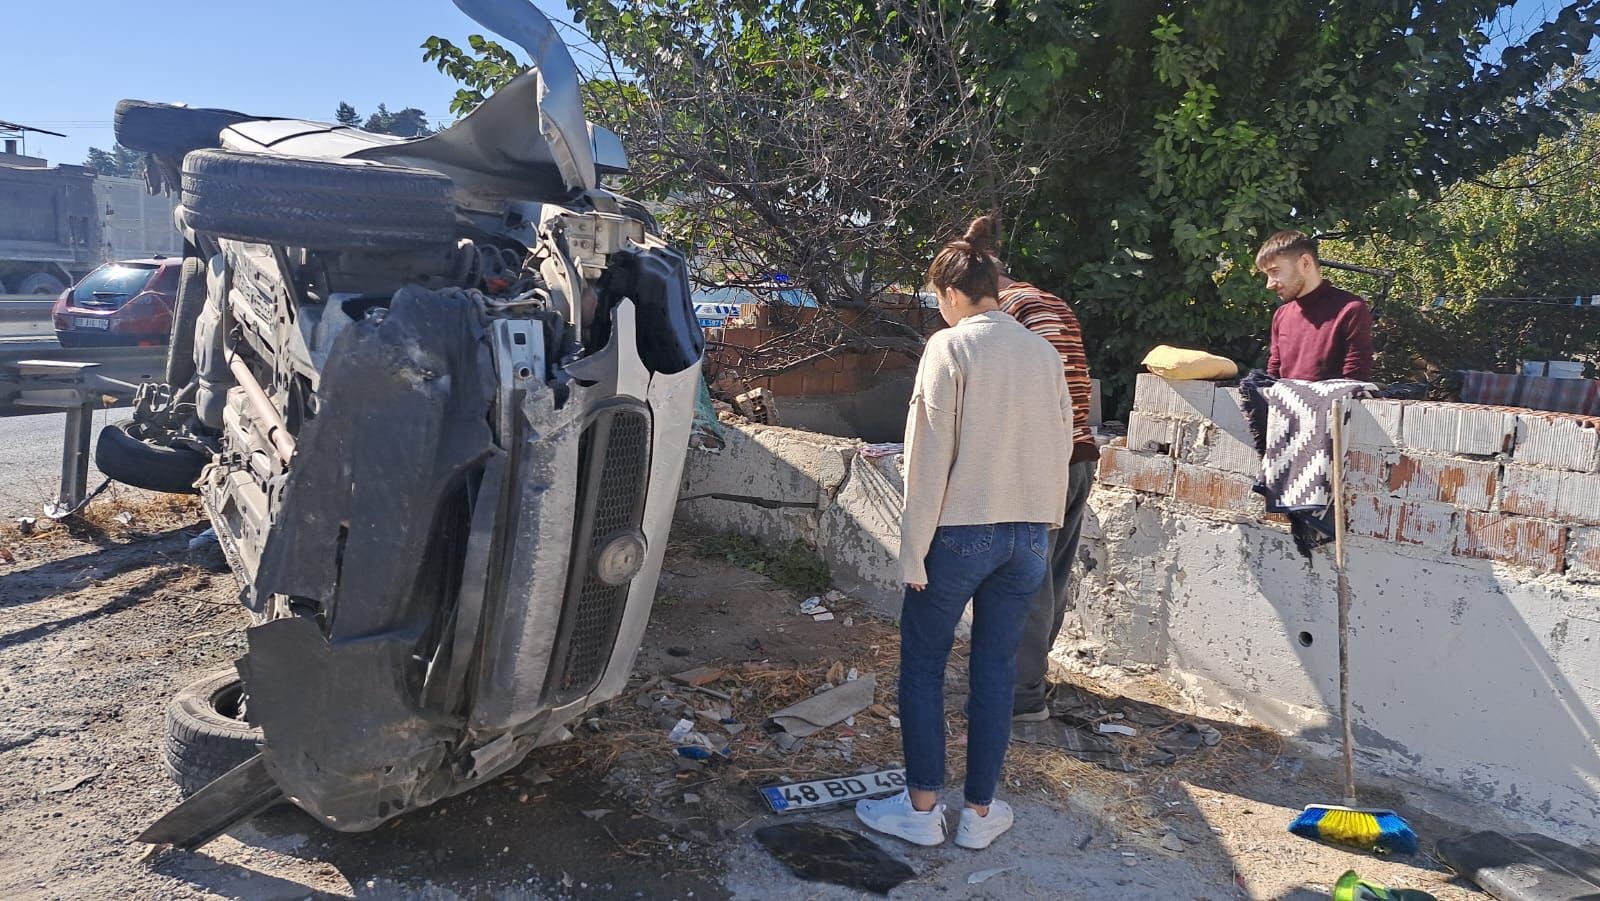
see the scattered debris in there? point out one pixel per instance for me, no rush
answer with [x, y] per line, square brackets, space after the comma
[1116, 729]
[208, 537]
[6, 556]
[69, 784]
[983, 876]
[878, 451]
[124, 518]
[1172, 842]
[1076, 741]
[822, 617]
[818, 853]
[26, 524]
[826, 709]
[811, 607]
[597, 814]
[700, 675]
[757, 406]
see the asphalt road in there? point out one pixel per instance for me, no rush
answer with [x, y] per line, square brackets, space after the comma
[30, 459]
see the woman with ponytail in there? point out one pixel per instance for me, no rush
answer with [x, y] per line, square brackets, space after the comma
[988, 447]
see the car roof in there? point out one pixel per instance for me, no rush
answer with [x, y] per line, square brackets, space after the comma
[148, 261]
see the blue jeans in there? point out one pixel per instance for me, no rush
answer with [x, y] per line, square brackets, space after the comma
[998, 567]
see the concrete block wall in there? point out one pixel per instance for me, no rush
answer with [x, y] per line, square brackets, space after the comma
[1474, 558]
[782, 485]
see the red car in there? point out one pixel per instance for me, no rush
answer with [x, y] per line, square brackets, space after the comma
[129, 302]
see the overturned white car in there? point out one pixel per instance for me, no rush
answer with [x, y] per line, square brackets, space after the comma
[435, 396]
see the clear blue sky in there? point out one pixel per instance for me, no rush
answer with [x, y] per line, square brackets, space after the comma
[69, 62]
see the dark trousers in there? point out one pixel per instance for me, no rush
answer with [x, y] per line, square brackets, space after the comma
[1049, 605]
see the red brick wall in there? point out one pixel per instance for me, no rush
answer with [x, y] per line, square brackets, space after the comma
[844, 373]
[1517, 487]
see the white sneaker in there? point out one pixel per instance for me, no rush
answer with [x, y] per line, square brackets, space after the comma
[979, 832]
[895, 816]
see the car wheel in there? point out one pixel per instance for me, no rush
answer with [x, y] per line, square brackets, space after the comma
[318, 204]
[123, 456]
[185, 312]
[206, 732]
[171, 131]
[41, 283]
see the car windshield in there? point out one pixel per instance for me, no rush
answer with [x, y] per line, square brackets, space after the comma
[114, 282]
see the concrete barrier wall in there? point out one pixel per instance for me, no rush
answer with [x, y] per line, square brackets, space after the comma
[784, 484]
[1475, 571]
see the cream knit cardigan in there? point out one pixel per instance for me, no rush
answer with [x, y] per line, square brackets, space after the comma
[989, 435]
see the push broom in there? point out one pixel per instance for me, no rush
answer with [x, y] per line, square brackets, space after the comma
[1378, 831]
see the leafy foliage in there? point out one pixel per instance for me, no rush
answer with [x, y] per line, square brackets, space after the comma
[119, 161]
[1156, 142]
[1530, 228]
[793, 565]
[482, 68]
[1239, 118]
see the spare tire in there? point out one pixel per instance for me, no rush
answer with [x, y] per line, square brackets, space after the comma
[206, 732]
[171, 131]
[122, 455]
[317, 204]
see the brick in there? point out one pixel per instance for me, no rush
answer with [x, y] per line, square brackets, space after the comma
[1431, 427]
[1367, 471]
[816, 381]
[1140, 472]
[1552, 494]
[741, 336]
[1450, 480]
[1154, 434]
[1372, 517]
[1425, 525]
[1513, 540]
[788, 384]
[1178, 399]
[1583, 555]
[1375, 424]
[1213, 488]
[1215, 447]
[1485, 431]
[1559, 442]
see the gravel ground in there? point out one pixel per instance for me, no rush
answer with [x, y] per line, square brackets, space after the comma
[100, 624]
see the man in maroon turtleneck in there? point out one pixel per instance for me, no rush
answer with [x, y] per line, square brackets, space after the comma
[1320, 332]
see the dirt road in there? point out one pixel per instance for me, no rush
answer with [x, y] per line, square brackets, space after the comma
[100, 625]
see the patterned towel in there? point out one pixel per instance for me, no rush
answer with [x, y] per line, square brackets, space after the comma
[1297, 466]
[1290, 422]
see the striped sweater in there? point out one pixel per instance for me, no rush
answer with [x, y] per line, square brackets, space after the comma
[1049, 317]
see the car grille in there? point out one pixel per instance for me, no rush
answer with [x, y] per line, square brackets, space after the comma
[614, 467]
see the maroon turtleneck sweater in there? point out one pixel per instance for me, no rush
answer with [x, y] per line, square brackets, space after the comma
[1326, 334]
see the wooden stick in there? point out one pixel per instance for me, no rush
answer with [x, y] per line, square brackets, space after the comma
[1337, 424]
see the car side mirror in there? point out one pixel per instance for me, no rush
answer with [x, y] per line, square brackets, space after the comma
[609, 157]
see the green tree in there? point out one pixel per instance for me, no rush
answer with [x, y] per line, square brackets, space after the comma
[1528, 229]
[119, 161]
[346, 115]
[407, 123]
[1235, 118]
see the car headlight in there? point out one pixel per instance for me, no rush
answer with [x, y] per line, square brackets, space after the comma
[619, 558]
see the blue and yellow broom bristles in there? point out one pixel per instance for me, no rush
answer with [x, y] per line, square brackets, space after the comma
[1379, 831]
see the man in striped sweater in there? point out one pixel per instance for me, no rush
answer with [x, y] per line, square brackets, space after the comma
[1049, 317]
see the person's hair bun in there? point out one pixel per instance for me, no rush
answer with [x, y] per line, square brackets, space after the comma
[980, 235]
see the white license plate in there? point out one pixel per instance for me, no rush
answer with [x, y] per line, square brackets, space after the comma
[78, 322]
[822, 792]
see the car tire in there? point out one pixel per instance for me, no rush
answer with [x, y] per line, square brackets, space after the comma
[171, 131]
[191, 299]
[316, 204]
[41, 283]
[206, 737]
[123, 456]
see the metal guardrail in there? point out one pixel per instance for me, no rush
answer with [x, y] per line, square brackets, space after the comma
[40, 377]
[26, 316]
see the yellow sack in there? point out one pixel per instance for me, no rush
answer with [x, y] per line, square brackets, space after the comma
[1178, 363]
